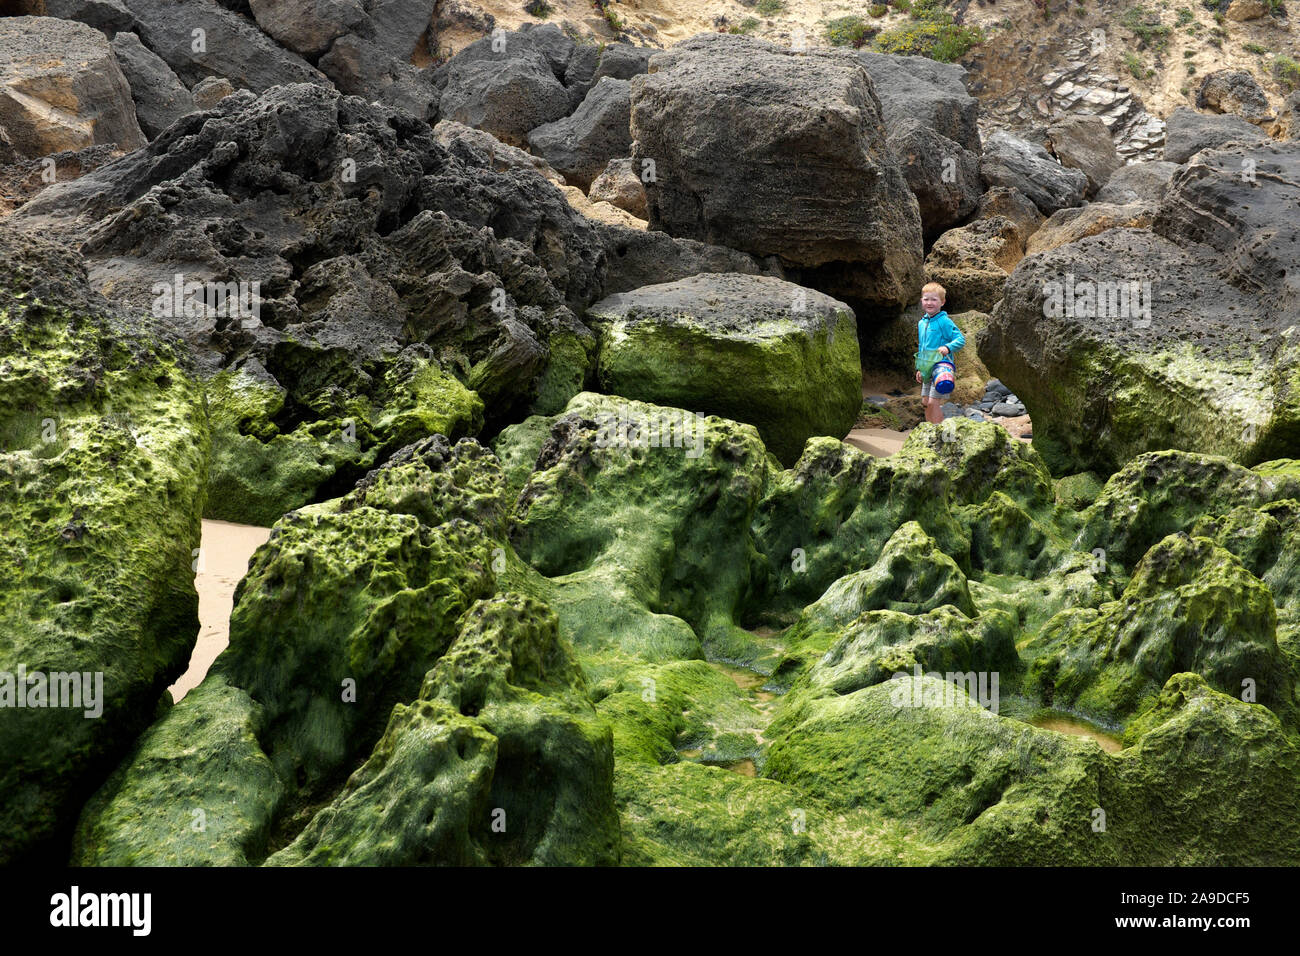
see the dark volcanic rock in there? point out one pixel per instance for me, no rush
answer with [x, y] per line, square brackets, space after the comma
[365, 236]
[1084, 143]
[934, 93]
[770, 151]
[1010, 161]
[160, 98]
[1138, 182]
[504, 84]
[229, 46]
[580, 145]
[1188, 132]
[943, 176]
[1236, 92]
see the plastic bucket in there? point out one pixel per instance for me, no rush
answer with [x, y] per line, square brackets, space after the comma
[945, 377]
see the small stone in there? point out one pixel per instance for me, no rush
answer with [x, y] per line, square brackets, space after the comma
[1007, 409]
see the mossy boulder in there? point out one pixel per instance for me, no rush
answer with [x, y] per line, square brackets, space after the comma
[1159, 493]
[501, 759]
[103, 457]
[750, 348]
[643, 539]
[341, 614]
[1209, 782]
[982, 458]
[198, 788]
[276, 449]
[833, 513]
[1191, 607]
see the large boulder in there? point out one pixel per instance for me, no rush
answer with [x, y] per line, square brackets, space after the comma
[505, 85]
[972, 262]
[943, 176]
[1011, 161]
[780, 357]
[639, 257]
[377, 296]
[105, 446]
[1138, 182]
[1188, 132]
[581, 144]
[1140, 339]
[926, 90]
[1235, 92]
[1083, 142]
[308, 27]
[775, 152]
[61, 88]
[160, 97]
[202, 38]
[1066, 225]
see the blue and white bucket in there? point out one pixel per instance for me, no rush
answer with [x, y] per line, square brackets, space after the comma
[945, 377]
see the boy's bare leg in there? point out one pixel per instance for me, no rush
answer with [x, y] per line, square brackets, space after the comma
[933, 410]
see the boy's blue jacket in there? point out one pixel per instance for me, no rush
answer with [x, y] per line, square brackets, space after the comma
[938, 330]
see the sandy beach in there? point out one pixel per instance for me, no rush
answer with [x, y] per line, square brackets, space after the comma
[224, 551]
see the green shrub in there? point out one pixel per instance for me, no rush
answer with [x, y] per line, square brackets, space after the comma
[1146, 26]
[1287, 72]
[1188, 54]
[877, 9]
[1133, 63]
[1191, 68]
[745, 26]
[1255, 48]
[931, 32]
[769, 8]
[848, 31]
[903, 6]
[1185, 16]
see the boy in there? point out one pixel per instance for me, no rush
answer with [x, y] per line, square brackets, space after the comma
[936, 336]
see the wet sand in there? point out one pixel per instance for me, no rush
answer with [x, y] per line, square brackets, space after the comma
[881, 442]
[224, 551]
[1077, 728]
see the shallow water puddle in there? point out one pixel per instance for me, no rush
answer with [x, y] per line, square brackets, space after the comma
[1071, 725]
[224, 550]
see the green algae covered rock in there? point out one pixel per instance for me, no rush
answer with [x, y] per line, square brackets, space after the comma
[501, 759]
[833, 514]
[1190, 607]
[197, 788]
[754, 349]
[274, 450]
[340, 616]
[642, 537]
[103, 451]
[1159, 493]
[911, 577]
[1209, 782]
[982, 458]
